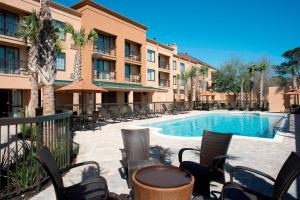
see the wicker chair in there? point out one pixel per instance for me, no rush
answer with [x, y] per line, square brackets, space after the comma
[135, 154]
[90, 189]
[288, 173]
[213, 153]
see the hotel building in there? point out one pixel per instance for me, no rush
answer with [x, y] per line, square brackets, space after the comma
[122, 60]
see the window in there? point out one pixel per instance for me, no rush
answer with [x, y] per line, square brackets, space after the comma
[151, 75]
[9, 60]
[61, 61]
[127, 49]
[150, 55]
[127, 72]
[174, 80]
[104, 70]
[182, 67]
[9, 23]
[61, 27]
[103, 44]
[174, 64]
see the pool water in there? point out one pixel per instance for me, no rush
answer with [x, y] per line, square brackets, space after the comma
[252, 125]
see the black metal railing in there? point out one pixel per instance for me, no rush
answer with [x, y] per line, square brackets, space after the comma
[20, 139]
[163, 65]
[157, 106]
[9, 28]
[132, 55]
[135, 78]
[164, 83]
[11, 66]
[106, 75]
[105, 51]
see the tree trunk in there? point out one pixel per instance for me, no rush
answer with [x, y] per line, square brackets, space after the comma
[193, 89]
[34, 95]
[178, 89]
[261, 87]
[32, 68]
[48, 100]
[77, 76]
[295, 84]
[242, 92]
[186, 90]
[46, 57]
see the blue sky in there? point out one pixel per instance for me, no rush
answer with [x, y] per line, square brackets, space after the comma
[215, 30]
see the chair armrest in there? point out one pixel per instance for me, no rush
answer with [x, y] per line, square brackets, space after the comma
[81, 164]
[113, 196]
[241, 168]
[184, 149]
[218, 161]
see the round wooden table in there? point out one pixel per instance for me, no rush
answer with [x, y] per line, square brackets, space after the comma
[162, 183]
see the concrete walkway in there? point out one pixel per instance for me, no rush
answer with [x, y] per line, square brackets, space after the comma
[103, 147]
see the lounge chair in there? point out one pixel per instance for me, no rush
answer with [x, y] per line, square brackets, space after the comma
[213, 153]
[139, 113]
[135, 154]
[91, 188]
[150, 112]
[94, 121]
[104, 115]
[287, 174]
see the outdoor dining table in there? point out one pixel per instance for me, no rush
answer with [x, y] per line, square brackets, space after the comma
[81, 119]
[162, 183]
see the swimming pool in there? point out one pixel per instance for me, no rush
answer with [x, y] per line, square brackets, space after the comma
[243, 124]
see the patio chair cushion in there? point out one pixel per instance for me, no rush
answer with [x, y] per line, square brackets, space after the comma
[89, 189]
[201, 174]
[232, 191]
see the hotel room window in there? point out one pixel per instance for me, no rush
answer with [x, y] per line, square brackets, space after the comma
[150, 55]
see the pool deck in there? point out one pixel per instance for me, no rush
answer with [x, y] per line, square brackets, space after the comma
[103, 147]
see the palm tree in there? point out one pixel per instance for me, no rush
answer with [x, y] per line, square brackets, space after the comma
[28, 31]
[204, 72]
[193, 74]
[178, 87]
[262, 67]
[80, 40]
[46, 57]
[251, 72]
[185, 77]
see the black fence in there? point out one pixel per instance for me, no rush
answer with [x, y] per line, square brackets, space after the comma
[157, 107]
[20, 138]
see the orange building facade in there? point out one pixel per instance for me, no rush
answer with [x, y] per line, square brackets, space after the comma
[122, 60]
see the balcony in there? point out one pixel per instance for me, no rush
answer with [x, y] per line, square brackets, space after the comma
[135, 78]
[135, 56]
[164, 65]
[106, 75]
[9, 28]
[164, 83]
[103, 51]
[10, 66]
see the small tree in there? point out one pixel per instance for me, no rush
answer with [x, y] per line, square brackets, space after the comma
[261, 68]
[193, 75]
[80, 39]
[291, 66]
[185, 77]
[251, 73]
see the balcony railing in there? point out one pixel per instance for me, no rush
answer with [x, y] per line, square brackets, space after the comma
[104, 51]
[135, 78]
[164, 83]
[9, 28]
[164, 65]
[106, 75]
[9, 66]
[133, 56]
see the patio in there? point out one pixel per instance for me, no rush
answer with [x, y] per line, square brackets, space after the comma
[103, 147]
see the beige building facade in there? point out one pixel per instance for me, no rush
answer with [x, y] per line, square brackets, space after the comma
[122, 60]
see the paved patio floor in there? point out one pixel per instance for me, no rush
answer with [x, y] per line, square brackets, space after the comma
[103, 147]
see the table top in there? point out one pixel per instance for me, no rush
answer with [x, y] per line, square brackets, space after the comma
[80, 116]
[163, 176]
